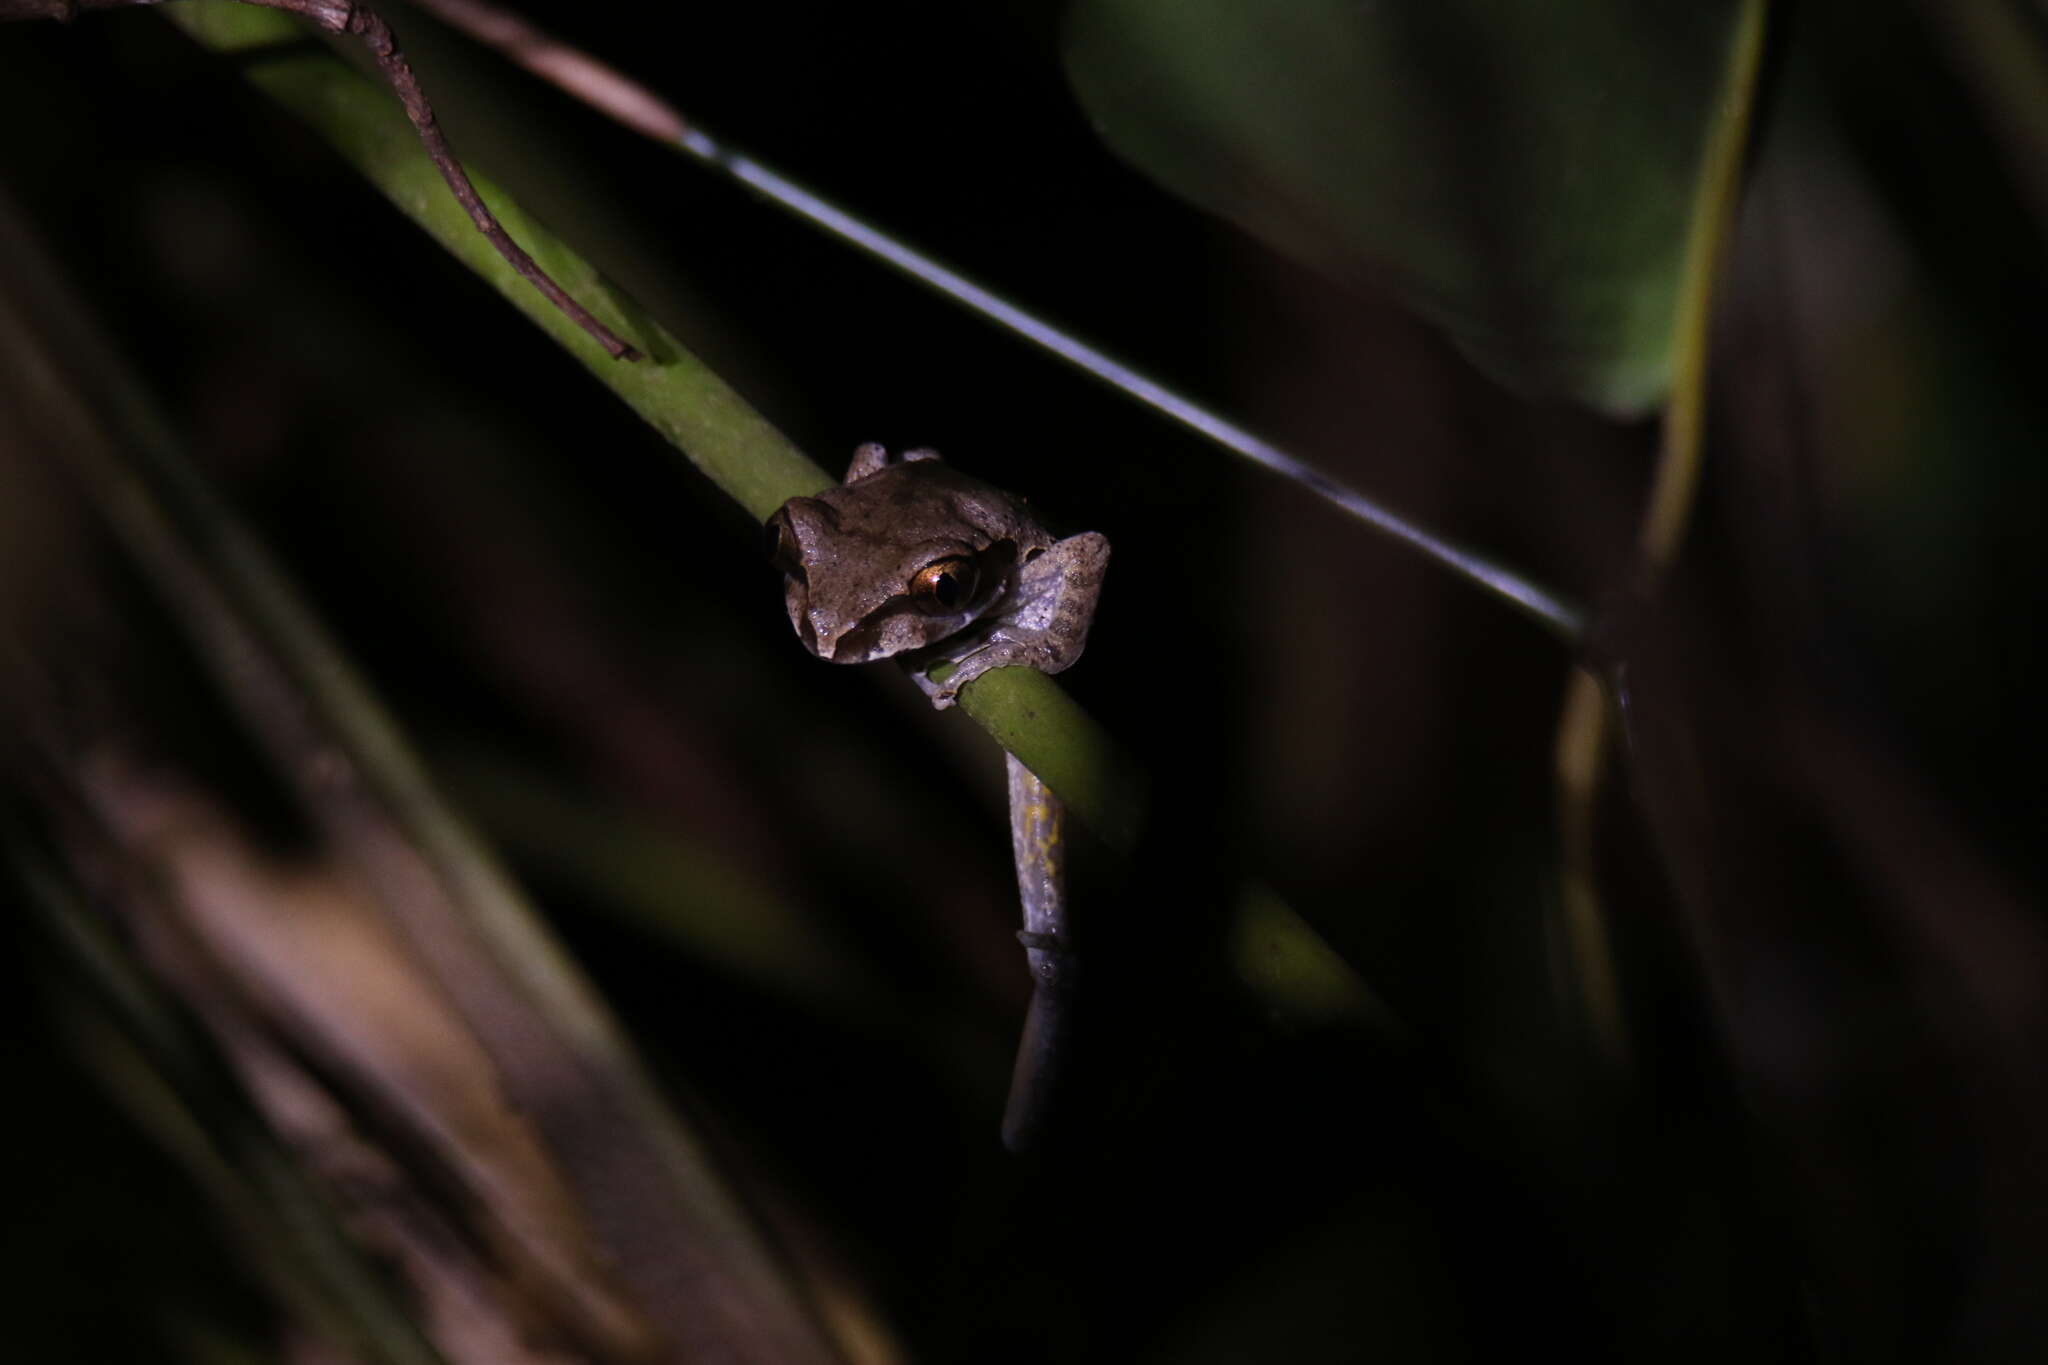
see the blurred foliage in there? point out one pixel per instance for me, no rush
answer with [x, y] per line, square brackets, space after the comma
[1519, 174]
[1820, 853]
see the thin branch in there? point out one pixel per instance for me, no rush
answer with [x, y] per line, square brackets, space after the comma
[355, 20]
[362, 22]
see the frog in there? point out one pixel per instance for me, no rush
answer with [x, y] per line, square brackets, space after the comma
[911, 559]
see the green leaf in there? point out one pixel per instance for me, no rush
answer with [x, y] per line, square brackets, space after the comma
[1519, 174]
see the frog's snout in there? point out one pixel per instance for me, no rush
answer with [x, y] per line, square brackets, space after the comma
[834, 642]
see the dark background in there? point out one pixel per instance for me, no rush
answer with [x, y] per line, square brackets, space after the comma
[1821, 855]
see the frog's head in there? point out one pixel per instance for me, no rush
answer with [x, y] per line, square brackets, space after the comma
[882, 567]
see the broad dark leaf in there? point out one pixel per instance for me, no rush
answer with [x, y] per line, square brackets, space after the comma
[1519, 174]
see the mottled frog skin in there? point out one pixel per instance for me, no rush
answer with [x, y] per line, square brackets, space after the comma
[911, 559]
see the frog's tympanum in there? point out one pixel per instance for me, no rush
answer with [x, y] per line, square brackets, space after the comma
[911, 559]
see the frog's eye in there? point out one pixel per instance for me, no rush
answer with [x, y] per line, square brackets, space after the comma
[943, 585]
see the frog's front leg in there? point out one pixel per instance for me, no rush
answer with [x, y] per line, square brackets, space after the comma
[1043, 625]
[873, 457]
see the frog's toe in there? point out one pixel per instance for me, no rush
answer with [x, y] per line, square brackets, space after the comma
[941, 693]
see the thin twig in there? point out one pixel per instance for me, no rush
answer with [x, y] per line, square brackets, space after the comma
[604, 89]
[356, 20]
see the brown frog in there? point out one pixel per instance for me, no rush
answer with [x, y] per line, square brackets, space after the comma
[911, 559]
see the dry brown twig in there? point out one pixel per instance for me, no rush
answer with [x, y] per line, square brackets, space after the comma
[359, 21]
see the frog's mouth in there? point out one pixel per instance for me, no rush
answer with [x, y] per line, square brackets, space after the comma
[892, 629]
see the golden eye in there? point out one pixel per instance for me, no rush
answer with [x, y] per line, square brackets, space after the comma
[943, 585]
